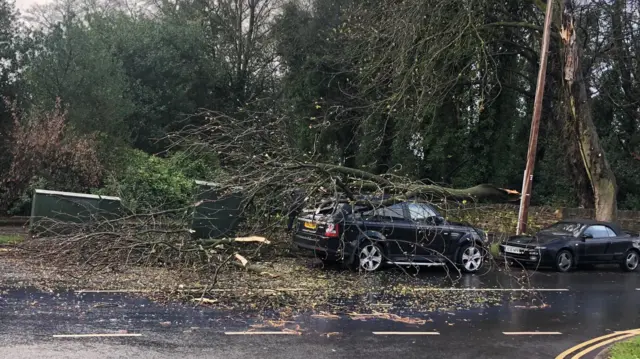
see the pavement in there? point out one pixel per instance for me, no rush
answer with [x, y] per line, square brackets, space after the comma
[581, 310]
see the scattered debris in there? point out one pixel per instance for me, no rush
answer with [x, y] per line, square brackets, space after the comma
[257, 239]
[242, 259]
[105, 305]
[324, 315]
[205, 300]
[283, 283]
[388, 316]
[541, 306]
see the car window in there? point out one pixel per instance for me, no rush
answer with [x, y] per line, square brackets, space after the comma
[420, 211]
[611, 232]
[393, 212]
[564, 228]
[597, 231]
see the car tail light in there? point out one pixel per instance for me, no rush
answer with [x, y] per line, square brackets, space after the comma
[332, 230]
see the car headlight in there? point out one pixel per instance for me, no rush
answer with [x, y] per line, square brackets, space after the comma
[538, 248]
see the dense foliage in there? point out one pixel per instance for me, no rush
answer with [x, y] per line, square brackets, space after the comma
[150, 183]
[437, 90]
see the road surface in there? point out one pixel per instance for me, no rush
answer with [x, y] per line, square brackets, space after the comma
[579, 306]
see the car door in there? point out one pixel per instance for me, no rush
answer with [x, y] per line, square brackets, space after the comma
[429, 235]
[618, 246]
[596, 244]
[393, 224]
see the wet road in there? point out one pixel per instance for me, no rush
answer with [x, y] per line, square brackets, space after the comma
[579, 306]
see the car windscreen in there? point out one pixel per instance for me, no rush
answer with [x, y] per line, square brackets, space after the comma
[565, 229]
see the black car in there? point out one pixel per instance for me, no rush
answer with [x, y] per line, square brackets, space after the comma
[406, 234]
[567, 244]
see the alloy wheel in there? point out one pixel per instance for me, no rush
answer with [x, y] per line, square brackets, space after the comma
[564, 261]
[370, 258]
[632, 260]
[471, 259]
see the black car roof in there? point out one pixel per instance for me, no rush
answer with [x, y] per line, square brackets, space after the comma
[591, 222]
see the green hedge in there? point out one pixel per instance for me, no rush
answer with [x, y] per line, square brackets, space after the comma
[147, 183]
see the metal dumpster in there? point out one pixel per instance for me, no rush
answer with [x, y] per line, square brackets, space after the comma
[218, 214]
[52, 211]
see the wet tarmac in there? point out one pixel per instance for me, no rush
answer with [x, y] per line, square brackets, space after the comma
[571, 308]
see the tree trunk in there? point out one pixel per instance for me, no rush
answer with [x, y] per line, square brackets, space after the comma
[366, 181]
[580, 120]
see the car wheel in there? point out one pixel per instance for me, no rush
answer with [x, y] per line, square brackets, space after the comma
[564, 261]
[471, 258]
[370, 257]
[630, 261]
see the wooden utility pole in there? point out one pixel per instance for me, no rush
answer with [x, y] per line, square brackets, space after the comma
[527, 181]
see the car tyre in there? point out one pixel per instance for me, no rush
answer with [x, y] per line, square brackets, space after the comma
[630, 261]
[471, 258]
[564, 261]
[369, 257]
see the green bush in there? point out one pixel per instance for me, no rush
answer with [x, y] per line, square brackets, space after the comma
[22, 205]
[147, 183]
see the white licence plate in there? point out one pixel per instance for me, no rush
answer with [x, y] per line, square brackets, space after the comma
[514, 250]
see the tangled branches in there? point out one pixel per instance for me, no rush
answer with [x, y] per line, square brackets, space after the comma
[151, 239]
[257, 154]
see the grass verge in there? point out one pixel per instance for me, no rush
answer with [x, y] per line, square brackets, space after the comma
[11, 238]
[628, 349]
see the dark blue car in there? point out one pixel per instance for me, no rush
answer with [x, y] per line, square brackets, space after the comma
[567, 244]
[406, 234]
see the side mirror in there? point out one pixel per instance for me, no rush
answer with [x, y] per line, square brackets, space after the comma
[587, 236]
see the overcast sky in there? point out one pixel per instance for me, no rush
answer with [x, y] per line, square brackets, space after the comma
[23, 5]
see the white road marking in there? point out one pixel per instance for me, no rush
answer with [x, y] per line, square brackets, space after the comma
[115, 291]
[199, 290]
[406, 333]
[262, 333]
[531, 333]
[96, 335]
[495, 289]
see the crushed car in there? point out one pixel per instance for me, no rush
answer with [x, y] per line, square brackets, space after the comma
[375, 234]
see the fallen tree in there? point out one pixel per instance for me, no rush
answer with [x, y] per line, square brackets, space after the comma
[259, 162]
[257, 154]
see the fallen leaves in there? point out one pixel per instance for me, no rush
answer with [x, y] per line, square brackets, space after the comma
[271, 275]
[296, 332]
[541, 306]
[278, 324]
[324, 315]
[388, 316]
[267, 285]
[204, 300]
[105, 305]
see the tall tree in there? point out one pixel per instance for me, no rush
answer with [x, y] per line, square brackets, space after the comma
[8, 74]
[580, 118]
